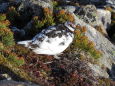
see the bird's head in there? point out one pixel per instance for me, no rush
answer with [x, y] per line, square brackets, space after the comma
[71, 26]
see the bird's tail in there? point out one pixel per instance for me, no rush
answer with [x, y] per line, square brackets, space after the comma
[24, 43]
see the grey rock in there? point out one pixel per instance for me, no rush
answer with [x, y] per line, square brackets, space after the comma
[15, 83]
[113, 39]
[19, 31]
[84, 2]
[88, 14]
[28, 26]
[36, 5]
[5, 77]
[101, 43]
[95, 17]
[97, 3]
[70, 9]
[104, 18]
[111, 3]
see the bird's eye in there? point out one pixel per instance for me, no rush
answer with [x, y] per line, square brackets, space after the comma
[70, 25]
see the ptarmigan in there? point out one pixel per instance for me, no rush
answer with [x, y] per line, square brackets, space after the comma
[53, 40]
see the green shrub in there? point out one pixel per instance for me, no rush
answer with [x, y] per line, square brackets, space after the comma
[81, 41]
[2, 17]
[40, 23]
[63, 16]
[18, 61]
[4, 24]
[1, 46]
[48, 14]
[55, 4]
[12, 14]
[6, 37]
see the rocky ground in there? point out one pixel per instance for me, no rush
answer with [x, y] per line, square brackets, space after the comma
[88, 61]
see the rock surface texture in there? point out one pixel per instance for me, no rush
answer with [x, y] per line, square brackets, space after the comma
[36, 5]
[14, 83]
[102, 44]
[88, 14]
[104, 18]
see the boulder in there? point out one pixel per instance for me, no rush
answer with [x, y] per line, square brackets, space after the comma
[95, 17]
[104, 18]
[70, 9]
[88, 14]
[15, 83]
[84, 2]
[97, 3]
[111, 3]
[101, 43]
[35, 5]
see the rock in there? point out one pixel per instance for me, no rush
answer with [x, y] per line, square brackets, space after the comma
[97, 3]
[15, 83]
[70, 9]
[18, 33]
[88, 14]
[6, 3]
[36, 5]
[3, 7]
[101, 44]
[5, 77]
[95, 17]
[77, 1]
[28, 26]
[113, 38]
[104, 17]
[84, 2]
[111, 3]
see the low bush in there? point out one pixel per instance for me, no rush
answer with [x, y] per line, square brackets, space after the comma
[6, 36]
[63, 16]
[82, 43]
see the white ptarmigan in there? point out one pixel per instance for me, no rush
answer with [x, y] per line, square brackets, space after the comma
[53, 40]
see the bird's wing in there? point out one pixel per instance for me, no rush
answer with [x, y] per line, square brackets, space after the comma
[48, 36]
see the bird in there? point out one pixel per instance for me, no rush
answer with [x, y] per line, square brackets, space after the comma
[51, 41]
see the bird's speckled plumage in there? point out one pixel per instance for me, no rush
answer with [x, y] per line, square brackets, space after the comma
[51, 41]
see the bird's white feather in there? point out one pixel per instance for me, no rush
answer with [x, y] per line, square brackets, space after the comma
[24, 43]
[51, 41]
